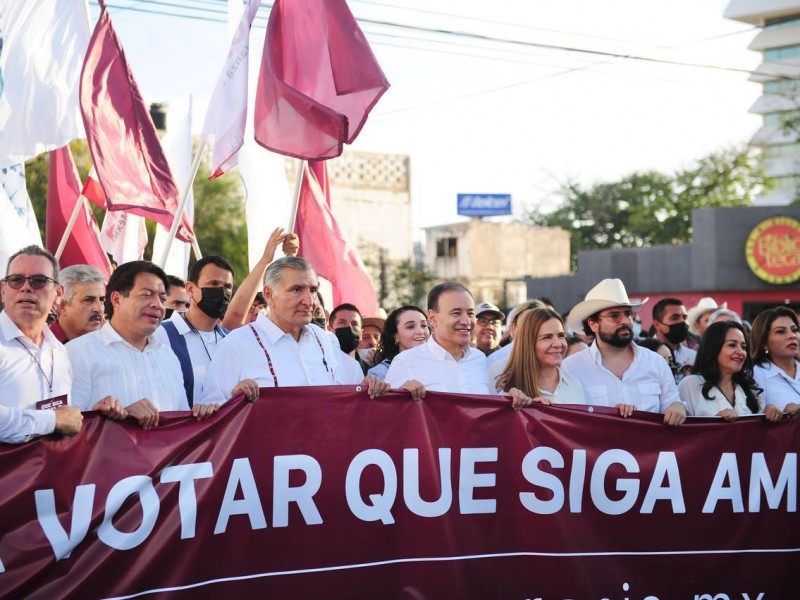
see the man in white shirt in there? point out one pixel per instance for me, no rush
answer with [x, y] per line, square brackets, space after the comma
[446, 362]
[614, 371]
[281, 349]
[35, 373]
[195, 335]
[123, 361]
[496, 361]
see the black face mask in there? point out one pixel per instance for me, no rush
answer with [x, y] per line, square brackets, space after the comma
[677, 333]
[348, 338]
[214, 301]
[319, 322]
[169, 311]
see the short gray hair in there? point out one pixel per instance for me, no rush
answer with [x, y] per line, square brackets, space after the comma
[274, 274]
[34, 251]
[75, 274]
[724, 312]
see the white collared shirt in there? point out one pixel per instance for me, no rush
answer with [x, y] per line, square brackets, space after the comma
[436, 369]
[697, 405]
[201, 346]
[311, 361]
[496, 361]
[779, 388]
[24, 383]
[104, 364]
[647, 384]
[568, 391]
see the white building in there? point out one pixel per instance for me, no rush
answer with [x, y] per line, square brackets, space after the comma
[779, 73]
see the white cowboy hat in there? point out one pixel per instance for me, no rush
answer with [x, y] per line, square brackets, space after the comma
[705, 305]
[606, 294]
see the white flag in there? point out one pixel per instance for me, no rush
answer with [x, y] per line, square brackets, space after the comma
[227, 110]
[44, 44]
[12, 181]
[14, 234]
[177, 145]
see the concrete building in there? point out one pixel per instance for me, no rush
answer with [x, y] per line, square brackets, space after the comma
[748, 257]
[779, 74]
[371, 200]
[493, 259]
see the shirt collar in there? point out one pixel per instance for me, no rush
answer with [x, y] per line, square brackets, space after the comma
[272, 331]
[597, 358]
[10, 331]
[109, 335]
[773, 370]
[442, 354]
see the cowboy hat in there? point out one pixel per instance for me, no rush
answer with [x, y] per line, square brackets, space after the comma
[705, 305]
[606, 294]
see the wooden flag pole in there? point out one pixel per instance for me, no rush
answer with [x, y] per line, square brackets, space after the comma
[70, 226]
[298, 185]
[176, 221]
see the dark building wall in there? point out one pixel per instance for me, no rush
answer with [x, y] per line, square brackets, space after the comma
[713, 261]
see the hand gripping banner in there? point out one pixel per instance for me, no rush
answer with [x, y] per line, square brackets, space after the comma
[323, 493]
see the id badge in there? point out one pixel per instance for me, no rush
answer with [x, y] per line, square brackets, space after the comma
[52, 403]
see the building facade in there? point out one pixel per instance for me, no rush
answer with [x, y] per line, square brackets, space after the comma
[494, 259]
[748, 257]
[778, 41]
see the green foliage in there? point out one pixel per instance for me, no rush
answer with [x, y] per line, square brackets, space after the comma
[650, 208]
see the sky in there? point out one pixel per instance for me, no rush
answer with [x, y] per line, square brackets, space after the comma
[503, 114]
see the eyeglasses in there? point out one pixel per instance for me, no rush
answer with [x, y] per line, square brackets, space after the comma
[617, 315]
[485, 321]
[37, 282]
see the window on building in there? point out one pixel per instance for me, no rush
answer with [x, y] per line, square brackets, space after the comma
[782, 150]
[785, 22]
[782, 86]
[789, 182]
[781, 118]
[782, 53]
[447, 247]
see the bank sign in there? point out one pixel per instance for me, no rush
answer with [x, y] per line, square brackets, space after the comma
[484, 205]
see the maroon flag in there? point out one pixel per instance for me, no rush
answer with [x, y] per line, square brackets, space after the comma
[318, 80]
[63, 191]
[324, 246]
[127, 154]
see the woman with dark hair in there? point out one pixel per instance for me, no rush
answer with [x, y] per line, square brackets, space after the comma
[721, 383]
[534, 367]
[774, 350]
[405, 327]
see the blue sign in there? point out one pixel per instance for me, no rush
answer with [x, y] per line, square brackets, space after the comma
[484, 205]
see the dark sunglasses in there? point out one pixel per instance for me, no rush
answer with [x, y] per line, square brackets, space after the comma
[37, 282]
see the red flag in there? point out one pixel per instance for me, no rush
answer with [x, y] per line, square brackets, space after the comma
[93, 191]
[128, 157]
[318, 79]
[324, 246]
[63, 191]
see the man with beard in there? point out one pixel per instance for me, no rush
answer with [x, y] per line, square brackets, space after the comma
[195, 334]
[670, 320]
[615, 371]
[82, 305]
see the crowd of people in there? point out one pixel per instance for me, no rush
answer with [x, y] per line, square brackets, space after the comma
[145, 342]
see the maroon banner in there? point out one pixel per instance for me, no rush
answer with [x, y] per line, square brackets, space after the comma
[323, 493]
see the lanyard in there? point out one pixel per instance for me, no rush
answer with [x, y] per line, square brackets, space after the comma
[200, 335]
[39, 365]
[269, 359]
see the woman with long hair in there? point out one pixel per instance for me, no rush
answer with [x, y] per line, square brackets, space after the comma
[534, 367]
[721, 383]
[405, 328]
[774, 349]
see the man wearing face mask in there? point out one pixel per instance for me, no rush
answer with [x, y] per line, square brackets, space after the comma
[671, 326]
[345, 324]
[177, 297]
[195, 334]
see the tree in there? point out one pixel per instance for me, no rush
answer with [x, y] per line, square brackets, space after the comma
[649, 208]
[398, 282]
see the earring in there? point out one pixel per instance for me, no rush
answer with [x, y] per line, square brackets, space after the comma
[766, 351]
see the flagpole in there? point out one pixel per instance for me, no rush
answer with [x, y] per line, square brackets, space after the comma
[176, 221]
[298, 185]
[70, 225]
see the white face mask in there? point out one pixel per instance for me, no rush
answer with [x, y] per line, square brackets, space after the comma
[366, 354]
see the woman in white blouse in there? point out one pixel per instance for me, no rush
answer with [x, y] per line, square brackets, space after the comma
[534, 367]
[774, 349]
[721, 383]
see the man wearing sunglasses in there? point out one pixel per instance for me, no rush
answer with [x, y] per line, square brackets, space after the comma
[35, 373]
